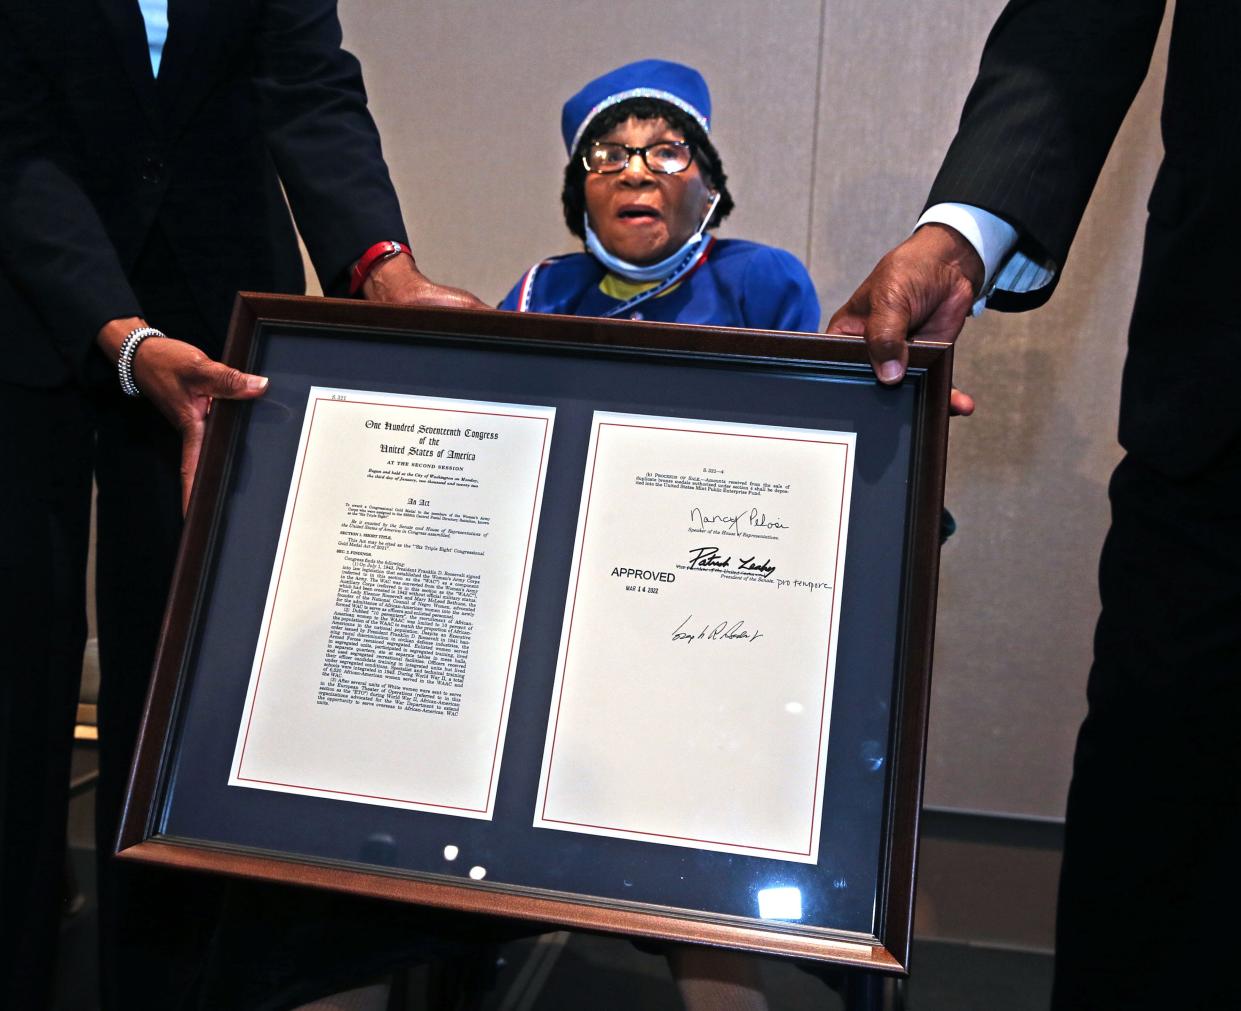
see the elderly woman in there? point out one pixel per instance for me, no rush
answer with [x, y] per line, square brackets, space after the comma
[643, 187]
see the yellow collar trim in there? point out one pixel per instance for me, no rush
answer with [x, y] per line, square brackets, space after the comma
[622, 290]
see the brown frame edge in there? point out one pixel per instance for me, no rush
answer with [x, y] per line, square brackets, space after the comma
[871, 955]
[911, 704]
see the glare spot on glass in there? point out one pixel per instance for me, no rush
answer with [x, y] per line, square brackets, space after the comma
[796, 708]
[872, 755]
[840, 884]
[627, 884]
[379, 848]
[451, 852]
[478, 873]
[779, 903]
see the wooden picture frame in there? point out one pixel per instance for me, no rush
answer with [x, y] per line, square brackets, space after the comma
[855, 902]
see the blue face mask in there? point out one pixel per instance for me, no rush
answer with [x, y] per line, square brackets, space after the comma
[651, 271]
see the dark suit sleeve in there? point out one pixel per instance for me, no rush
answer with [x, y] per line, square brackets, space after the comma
[53, 247]
[322, 138]
[1055, 81]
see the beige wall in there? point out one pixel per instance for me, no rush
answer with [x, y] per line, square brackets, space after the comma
[831, 118]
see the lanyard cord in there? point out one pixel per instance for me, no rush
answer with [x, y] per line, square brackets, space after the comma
[692, 260]
[686, 266]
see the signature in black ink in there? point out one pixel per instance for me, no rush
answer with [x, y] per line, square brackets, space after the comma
[724, 631]
[709, 558]
[748, 518]
[764, 568]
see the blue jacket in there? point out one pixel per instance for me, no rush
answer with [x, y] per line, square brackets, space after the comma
[739, 283]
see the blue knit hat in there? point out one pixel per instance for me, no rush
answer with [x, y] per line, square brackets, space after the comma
[674, 83]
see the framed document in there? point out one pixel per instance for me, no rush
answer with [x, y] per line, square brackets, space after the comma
[701, 549]
[400, 577]
[615, 625]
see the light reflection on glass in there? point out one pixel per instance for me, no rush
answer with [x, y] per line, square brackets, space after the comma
[796, 708]
[451, 852]
[478, 873]
[284, 412]
[779, 903]
[379, 848]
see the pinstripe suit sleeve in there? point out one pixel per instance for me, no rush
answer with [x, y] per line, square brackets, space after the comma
[1054, 83]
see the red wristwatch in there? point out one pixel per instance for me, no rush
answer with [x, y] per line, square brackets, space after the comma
[371, 258]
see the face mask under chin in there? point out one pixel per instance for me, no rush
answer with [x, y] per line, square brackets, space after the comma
[639, 273]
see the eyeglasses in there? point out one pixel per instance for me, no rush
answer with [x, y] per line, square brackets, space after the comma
[663, 157]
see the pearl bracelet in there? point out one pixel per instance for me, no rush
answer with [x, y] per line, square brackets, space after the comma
[125, 361]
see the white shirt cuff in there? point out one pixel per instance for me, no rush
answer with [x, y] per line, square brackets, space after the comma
[994, 239]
